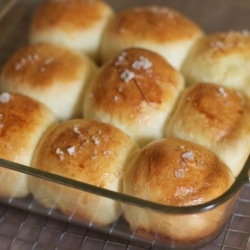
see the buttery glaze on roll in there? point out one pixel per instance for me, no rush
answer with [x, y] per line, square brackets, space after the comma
[23, 122]
[87, 151]
[217, 118]
[222, 58]
[136, 92]
[54, 75]
[160, 29]
[77, 24]
[175, 172]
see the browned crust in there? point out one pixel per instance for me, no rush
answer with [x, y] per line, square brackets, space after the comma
[157, 86]
[217, 112]
[69, 16]
[21, 120]
[221, 44]
[100, 152]
[159, 24]
[42, 65]
[178, 173]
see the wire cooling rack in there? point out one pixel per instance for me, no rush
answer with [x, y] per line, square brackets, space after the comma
[24, 230]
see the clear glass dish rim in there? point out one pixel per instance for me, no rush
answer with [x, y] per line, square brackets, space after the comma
[239, 182]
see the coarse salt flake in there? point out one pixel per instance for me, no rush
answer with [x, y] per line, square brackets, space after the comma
[60, 153]
[72, 150]
[76, 129]
[180, 173]
[95, 140]
[5, 97]
[188, 156]
[222, 91]
[245, 32]
[48, 60]
[127, 75]
[143, 63]
[107, 152]
[121, 59]
[18, 66]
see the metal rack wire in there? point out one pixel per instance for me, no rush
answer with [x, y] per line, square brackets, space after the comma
[24, 230]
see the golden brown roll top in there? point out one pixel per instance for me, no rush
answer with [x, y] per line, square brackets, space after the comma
[77, 24]
[87, 151]
[175, 172]
[136, 91]
[23, 121]
[222, 58]
[160, 29]
[52, 74]
[217, 118]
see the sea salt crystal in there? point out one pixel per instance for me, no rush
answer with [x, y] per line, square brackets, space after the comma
[119, 89]
[188, 156]
[127, 75]
[84, 144]
[48, 60]
[121, 59]
[170, 15]
[219, 44]
[60, 153]
[182, 147]
[222, 91]
[42, 69]
[116, 98]
[245, 32]
[95, 140]
[18, 66]
[180, 173]
[93, 156]
[36, 57]
[143, 63]
[5, 97]
[107, 152]
[29, 57]
[72, 150]
[76, 129]
[23, 60]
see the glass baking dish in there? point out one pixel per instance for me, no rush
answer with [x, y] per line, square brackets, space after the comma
[212, 16]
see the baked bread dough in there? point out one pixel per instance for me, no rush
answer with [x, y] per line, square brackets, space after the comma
[23, 122]
[87, 151]
[222, 58]
[77, 24]
[136, 91]
[216, 117]
[157, 28]
[176, 173]
[54, 75]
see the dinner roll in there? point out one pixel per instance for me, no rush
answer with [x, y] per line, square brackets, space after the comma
[160, 29]
[136, 92]
[217, 118]
[177, 173]
[23, 121]
[77, 24]
[222, 58]
[54, 75]
[87, 151]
